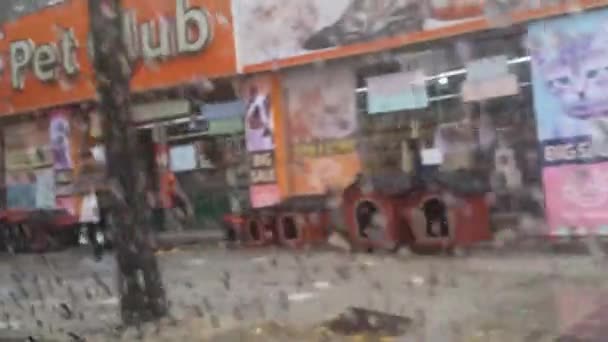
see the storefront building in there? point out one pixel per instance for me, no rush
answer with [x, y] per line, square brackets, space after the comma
[359, 81]
[308, 107]
[53, 148]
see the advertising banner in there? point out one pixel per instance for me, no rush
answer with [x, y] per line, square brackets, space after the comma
[27, 157]
[27, 146]
[569, 58]
[321, 127]
[568, 55]
[262, 112]
[576, 198]
[271, 33]
[52, 158]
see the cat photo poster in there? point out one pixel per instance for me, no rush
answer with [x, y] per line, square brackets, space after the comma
[570, 74]
[569, 58]
[321, 104]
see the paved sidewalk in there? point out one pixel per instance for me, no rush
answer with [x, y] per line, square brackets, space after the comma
[167, 240]
[501, 298]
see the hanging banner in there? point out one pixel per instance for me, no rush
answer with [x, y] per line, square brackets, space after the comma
[489, 78]
[394, 92]
[322, 122]
[259, 125]
[260, 95]
[568, 61]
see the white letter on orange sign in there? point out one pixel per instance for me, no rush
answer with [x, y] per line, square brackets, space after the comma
[69, 44]
[188, 18]
[46, 59]
[21, 56]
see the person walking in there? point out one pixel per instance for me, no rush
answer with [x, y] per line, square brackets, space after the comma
[173, 199]
[90, 217]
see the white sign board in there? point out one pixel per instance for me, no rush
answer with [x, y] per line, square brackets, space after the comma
[398, 91]
[182, 158]
[489, 78]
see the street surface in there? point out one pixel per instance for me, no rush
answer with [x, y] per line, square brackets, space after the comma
[218, 294]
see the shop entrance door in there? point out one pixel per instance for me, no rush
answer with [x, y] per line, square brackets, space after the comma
[147, 154]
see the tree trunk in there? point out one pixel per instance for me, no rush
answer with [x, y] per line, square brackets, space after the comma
[140, 285]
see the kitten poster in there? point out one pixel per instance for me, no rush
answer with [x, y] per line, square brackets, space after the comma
[569, 62]
[569, 58]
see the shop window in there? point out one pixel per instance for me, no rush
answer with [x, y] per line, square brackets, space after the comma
[502, 126]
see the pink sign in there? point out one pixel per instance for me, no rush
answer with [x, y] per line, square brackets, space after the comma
[69, 204]
[264, 195]
[576, 198]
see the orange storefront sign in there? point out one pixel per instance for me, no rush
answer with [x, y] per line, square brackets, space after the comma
[45, 59]
[197, 35]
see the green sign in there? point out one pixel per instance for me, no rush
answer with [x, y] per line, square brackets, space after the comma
[226, 126]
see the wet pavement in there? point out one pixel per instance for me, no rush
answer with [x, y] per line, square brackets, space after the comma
[269, 295]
